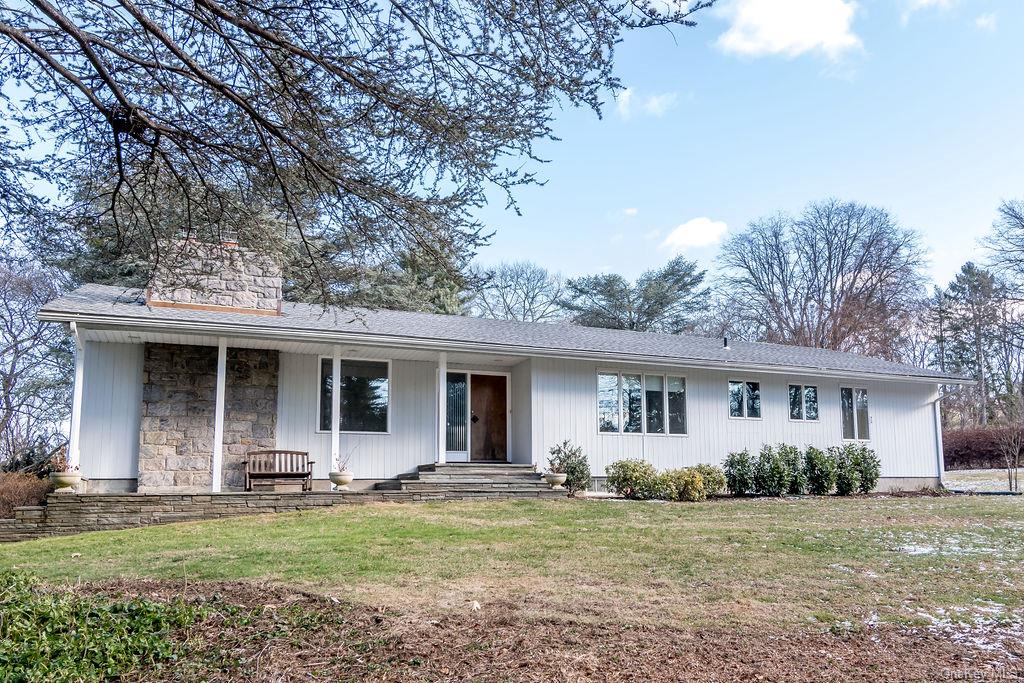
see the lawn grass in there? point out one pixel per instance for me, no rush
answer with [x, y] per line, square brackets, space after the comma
[742, 562]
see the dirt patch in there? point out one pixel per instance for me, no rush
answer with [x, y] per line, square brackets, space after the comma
[259, 632]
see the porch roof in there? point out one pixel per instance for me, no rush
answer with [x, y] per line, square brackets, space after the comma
[99, 306]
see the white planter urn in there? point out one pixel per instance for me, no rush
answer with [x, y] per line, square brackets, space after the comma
[342, 479]
[65, 482]
[555, 480]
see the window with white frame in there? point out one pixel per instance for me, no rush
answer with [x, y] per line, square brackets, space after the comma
[853, 406]
[634, 403]
[803, 402]
[744, 399]
[365, 395]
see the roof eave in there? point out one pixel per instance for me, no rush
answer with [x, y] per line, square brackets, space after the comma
[235, 329]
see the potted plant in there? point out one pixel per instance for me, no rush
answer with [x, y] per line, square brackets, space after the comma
[342, 476]
[65, 478]
[555, 476]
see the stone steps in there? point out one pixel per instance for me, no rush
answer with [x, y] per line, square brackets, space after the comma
[476, 477]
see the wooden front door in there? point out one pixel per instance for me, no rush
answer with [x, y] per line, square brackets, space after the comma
[488, 417]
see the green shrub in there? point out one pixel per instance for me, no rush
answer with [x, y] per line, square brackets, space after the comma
[847, 475]
[794, 460]
[568, 459]
[684, 484]
[634, 479]
[739, 473]
[771, 473]
[869, 467]
[55, 635]
[713, 477]
[820, 471]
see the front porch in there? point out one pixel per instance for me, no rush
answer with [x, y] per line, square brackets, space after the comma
[160, 412]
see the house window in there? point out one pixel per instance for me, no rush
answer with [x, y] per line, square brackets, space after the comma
[654, 394]
[853, 405]
[676, 405]
[745, 399]
[803, 402]
[608, 402]
[641, 404]
[632, 404]
[365, 395]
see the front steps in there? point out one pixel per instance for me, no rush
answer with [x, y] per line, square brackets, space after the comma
[471, 477]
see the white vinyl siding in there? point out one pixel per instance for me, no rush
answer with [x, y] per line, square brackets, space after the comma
[111, 410]
[411, 441]
[565, 407]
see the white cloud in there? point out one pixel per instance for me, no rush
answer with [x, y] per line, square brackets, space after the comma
[697, 232]
[986, 22]
[652, 235]
[657, 105]
[630, 211]
[790, 27]
[911, 6]
[623, 103]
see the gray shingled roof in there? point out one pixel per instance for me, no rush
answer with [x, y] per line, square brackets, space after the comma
[98, 304]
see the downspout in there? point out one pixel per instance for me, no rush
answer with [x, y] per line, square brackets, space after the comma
[940, 459]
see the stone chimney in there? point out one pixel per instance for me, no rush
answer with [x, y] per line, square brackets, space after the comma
[216, 277]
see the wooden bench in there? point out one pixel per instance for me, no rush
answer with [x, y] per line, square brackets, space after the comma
[269, 466]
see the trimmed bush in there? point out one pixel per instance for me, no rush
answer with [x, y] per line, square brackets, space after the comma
[794, 460]
[771, 473]
[976, 448]
[820, 471]
[869, 468]
[18, 489]
[847, 475]
[567, 458]
[684, 485]
[739, 473]
[714, 479]
[634, 479]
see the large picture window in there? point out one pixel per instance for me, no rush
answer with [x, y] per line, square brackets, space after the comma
[853, 405]
[803, 402]
[631, 403]
[365, 395]
[744, 399]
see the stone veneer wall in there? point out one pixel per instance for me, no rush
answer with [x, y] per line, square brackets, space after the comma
[70, 513]
[250, 409]
[178, 405]
[195, 273]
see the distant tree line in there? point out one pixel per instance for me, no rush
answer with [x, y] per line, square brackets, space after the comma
[838, 275]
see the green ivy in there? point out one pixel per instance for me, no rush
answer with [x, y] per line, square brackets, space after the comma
[53, 635]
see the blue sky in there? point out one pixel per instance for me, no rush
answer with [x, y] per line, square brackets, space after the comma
[912, 105]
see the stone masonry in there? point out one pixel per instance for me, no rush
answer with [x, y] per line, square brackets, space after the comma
[178, 406]
[71, 513]
[192, 273]
[250, 409]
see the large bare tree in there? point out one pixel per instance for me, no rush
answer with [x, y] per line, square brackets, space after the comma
[344, 129]
[520, 290]
[35, 361]
[840, 275]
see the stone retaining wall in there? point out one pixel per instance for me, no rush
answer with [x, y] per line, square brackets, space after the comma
[71, 513]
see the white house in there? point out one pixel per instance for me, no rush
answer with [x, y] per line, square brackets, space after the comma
[175, 385]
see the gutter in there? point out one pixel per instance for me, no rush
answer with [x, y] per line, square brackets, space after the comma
[249, 331]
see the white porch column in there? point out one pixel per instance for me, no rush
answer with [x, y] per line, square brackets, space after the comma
[442, 405]
[74, 438]
[335, 408]
[218, 420]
